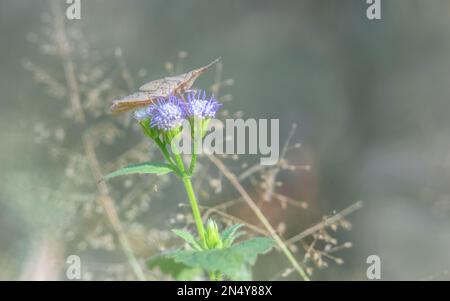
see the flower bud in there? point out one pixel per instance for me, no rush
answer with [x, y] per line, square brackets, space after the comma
[212, 236]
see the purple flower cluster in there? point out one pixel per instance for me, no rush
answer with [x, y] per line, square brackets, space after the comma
[198, 105]
[168, 113]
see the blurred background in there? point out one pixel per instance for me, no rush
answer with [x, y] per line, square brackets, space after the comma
[370, 100]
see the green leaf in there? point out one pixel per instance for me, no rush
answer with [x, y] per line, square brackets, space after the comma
[229, 234]
[230, 260]
[142, 168]
[230, 240]
[169, 266]
[230, 231]
[188, 238]
[244, 274]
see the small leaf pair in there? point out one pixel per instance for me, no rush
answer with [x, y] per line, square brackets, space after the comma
[230, 234]
[232, 261]
[213, 239]
[189, 238]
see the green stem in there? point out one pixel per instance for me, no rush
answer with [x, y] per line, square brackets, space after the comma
[215, 276]
[194, 205]
[194, 158]
[219, 276]
[212, 276]
[180, 165]
[192, 199]
[196, 134]
[164, 150]
[195, 211]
